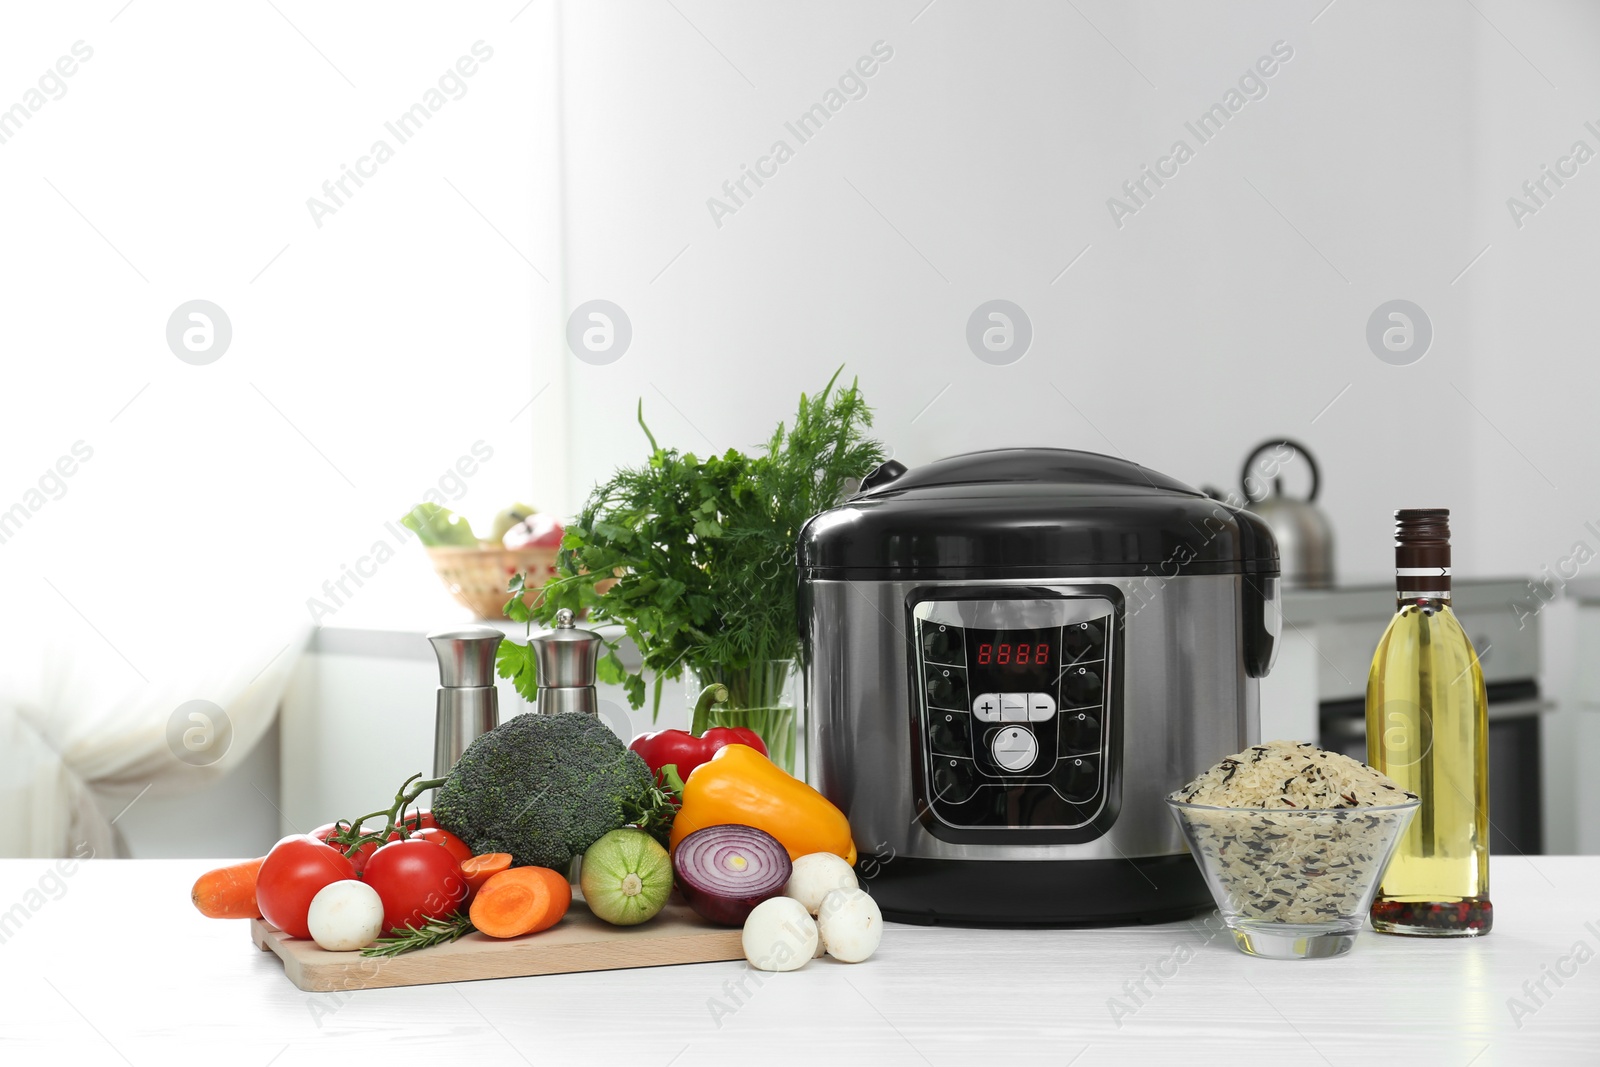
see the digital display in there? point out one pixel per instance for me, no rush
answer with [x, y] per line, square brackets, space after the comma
[1012, 661]
[1021, 654]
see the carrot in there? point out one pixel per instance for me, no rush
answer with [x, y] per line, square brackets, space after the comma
[521, 900]
[479, 869]
[228, 892]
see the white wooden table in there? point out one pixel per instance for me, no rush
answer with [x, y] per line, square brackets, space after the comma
[112, 965]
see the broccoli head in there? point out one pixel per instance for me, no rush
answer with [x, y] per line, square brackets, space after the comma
[545, 787]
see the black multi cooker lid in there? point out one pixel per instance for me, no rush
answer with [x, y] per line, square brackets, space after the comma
[1031, 512]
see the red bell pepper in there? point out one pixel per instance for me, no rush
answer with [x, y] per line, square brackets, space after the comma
[682, 749]
[674, 754]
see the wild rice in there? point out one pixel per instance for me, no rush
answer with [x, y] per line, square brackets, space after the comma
[1305, 852]
[1298, 774]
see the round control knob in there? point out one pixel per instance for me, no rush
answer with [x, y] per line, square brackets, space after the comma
[1080, 687]
[947, 688]
[1077, 779]
[1083, 640]
[942, 644]
[1080, 732]
[1014, 748]
[949, 734]
[952, 783]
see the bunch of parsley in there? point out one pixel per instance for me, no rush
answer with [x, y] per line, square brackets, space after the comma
[703, 550]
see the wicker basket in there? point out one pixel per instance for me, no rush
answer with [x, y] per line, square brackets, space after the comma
[477, 577]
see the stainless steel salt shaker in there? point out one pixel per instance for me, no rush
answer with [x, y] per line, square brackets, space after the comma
[567, 658]
[468, 704]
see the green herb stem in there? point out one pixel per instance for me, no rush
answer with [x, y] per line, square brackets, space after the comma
[699, 719]
[439, 931]
[702, 551]
[350, 836]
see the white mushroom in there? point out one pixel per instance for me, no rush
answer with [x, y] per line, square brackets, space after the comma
[815, 876]
[779, 935]
[850, 924]
[345, 915]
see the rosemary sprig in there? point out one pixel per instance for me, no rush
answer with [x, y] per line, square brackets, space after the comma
[433, 932]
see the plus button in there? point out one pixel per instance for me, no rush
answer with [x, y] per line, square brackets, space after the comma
[986, 707]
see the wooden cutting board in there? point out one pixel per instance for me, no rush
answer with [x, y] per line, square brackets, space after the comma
[579, 942]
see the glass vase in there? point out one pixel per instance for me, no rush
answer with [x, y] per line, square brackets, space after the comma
[761, 697]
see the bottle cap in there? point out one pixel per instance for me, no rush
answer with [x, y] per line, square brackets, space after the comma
[1422, 552]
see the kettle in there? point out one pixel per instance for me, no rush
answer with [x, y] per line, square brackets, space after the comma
[1304, 535]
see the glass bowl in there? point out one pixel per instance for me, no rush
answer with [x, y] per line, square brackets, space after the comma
[1293, 884]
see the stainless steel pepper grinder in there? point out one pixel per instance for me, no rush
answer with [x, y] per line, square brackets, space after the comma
[567, 658]
[468, 703]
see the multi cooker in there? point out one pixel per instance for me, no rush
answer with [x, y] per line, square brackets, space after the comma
[1011, 657]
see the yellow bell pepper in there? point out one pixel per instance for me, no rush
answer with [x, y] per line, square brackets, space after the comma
[741, 786]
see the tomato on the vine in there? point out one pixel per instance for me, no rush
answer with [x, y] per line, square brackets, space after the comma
[417, 880]
[293, 872]
[362, 854]
[452, 844]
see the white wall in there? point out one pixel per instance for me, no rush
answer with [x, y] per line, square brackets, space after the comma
[1230, 309]
[991, 142]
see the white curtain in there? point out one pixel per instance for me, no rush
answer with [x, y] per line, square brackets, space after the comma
[81, 735]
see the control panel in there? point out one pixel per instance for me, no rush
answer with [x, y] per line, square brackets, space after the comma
[1016, 703]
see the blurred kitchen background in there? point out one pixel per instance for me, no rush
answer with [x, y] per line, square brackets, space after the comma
[385, 336]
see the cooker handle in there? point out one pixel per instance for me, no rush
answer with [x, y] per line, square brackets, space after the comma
[1263, 622]
[883, 474]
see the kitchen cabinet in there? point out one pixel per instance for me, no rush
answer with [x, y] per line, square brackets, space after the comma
[358, 717]
[1580, 740]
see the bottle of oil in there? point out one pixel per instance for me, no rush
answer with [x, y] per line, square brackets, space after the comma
[1427, 728]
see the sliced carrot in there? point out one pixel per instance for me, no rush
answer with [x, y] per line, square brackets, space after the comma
[560, 896]
[521, 900]
[228, 892]
[479, 869]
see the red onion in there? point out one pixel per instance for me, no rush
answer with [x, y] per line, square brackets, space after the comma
[725, 871]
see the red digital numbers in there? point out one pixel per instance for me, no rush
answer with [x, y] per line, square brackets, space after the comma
[1006, 654]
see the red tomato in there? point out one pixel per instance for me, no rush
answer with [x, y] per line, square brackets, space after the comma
[452, 844]
[420, 820]
[416, 880]
[293, 872]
